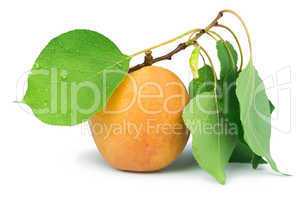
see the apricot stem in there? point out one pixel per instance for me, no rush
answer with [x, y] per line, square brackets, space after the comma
[216, 34]
[245, 29]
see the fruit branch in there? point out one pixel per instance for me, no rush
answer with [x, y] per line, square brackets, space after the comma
[195, 34]
[180, 47]
[167, 56]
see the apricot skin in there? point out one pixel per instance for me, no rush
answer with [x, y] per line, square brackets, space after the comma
[141, 128]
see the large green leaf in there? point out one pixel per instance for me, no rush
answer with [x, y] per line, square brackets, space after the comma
[228, 60]
[74, 76]
[255, 109]
[243, 153]
[204, 82]
[212, 143]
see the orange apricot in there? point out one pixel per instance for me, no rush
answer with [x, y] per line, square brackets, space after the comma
[141, 128]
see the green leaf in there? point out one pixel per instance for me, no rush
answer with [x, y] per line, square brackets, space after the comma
[194, 61]
[212, 141]
[256, 160]
[228, 59]
[74, 76]
[243, 154]
[255, 113]
[204, 82]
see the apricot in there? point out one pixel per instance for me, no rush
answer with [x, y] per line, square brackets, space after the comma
[141, 128]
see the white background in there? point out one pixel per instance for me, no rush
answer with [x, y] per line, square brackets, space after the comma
[38, 161]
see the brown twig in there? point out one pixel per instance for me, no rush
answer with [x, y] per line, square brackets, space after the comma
[179, 48]
[167, 56]
[148, 60]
